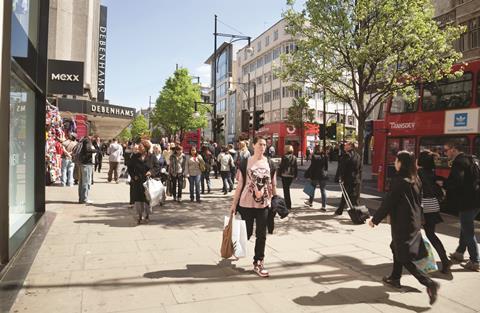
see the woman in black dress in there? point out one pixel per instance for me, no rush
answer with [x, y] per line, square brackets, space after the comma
[403, 204]
[141, 166]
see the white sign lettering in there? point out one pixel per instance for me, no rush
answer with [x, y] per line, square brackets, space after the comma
[66, 77]
[112, 111]
[407, 125]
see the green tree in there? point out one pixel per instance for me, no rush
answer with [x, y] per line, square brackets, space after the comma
[176, 104]
[363, 51]
[298, 113]
[139, 127]
[125, 135]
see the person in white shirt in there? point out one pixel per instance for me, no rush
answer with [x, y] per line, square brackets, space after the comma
[225, 161]
[115, 152]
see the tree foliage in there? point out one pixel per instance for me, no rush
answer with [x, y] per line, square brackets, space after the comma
[176, 104]
[363, 51]
[125, 135]
[299, 112]
[139, 127]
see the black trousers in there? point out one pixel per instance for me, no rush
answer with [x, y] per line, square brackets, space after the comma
[286, 183]
[177, 186]
[98, 163]
[435, 241]
[353, 191]
[412, 268]
[249, 215]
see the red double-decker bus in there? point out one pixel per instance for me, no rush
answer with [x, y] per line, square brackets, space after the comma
[447, 110]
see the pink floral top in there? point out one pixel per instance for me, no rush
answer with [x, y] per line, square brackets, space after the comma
[258, 191]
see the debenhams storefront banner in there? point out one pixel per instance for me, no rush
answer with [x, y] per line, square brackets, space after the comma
[95, 108]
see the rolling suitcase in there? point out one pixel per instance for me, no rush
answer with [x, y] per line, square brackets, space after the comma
[358, 214]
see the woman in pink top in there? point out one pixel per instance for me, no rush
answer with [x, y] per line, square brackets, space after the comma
[254, 199]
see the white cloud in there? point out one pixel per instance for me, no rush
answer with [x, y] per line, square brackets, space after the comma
[204, 72]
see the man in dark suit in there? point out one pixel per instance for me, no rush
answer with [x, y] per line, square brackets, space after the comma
[348, 172]
[463, 198]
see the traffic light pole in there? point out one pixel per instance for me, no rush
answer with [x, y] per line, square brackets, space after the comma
[254, 108]
[324, 120]
[214, 74]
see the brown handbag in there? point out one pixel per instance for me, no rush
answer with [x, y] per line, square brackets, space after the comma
[226, 250]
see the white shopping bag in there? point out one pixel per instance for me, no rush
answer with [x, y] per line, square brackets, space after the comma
[239, 236]
[154, 191]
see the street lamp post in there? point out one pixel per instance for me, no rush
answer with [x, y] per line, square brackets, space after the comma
[234, 38]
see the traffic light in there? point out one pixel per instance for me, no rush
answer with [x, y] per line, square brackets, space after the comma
[246, 117]
[321, 131]
[332, 131]
[258, 119]
[219, 125]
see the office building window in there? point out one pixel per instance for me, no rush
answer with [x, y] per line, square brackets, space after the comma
[267, 97]
[259, 80]
[259, 46]
[245, 69]
[260, 62]
[267, 41]
[275, 34]
[276, 94]
[253, 65]
[267, 58]
[259, 100]
[268, 77]
[276, 53]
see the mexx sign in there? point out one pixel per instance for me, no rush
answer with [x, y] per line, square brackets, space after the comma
[65, 77]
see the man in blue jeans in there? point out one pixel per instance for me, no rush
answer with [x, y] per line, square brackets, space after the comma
[463, 196]
[86, 170]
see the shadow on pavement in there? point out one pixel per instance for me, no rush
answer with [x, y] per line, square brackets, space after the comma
[342, 296]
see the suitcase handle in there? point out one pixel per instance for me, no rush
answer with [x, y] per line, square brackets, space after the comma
[345, 194]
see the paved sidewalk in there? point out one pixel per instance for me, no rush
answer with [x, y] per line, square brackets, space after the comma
[96, 259]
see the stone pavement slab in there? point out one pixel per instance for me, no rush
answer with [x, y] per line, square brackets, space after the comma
[96, 259]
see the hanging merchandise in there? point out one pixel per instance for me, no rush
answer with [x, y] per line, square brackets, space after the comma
[55, 135]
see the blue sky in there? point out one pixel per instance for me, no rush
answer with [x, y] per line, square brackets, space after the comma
[147, 38]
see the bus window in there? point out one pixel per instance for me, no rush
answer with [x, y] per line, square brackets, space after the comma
[401, 105]
[450, 93]
[436, 145]
[476, 147]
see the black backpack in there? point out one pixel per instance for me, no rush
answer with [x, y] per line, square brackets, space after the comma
[475, 172]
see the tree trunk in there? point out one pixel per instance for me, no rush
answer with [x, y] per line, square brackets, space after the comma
[361, 144]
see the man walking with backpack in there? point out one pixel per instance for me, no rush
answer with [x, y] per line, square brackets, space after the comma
[463, 194]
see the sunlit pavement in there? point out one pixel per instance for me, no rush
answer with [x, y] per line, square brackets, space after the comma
[97, 259]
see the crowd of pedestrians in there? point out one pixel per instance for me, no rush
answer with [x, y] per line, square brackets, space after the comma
[413, 201]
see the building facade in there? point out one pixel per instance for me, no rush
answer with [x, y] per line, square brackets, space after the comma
[23, 89]
[462, 12]
[275, 96]
[225, 71]
[78, 38]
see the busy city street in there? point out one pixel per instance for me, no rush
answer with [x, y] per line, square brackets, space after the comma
[239, 156]
[97, 259]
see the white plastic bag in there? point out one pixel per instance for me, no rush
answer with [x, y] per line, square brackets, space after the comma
[239, 236]
[154, 191]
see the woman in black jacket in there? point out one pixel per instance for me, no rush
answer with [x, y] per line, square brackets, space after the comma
[141, 166]
[318, 174]
[402, 203]
[288, 171]
[431, 205]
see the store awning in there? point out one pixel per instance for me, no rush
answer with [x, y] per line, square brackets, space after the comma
[105, 120]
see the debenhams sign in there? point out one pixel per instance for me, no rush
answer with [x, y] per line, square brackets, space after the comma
[110, 110]
[65, 77]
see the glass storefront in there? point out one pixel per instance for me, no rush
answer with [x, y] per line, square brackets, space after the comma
[22, 154]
